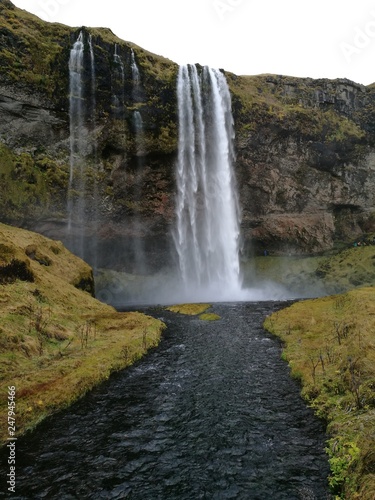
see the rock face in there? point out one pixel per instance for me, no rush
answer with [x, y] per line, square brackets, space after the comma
[305, 161]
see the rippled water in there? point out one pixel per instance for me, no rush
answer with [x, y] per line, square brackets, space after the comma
[212, 413]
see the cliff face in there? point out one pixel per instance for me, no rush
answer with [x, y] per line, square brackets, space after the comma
[305, 156]
[305, 148]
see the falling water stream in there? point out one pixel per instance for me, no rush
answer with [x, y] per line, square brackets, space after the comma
[118, 82]
[211, 413]
[134, 69]
[82, 193]
[207, 212]
[76, 121]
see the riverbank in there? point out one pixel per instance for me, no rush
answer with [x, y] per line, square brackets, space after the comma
[330, 346]
[57, 340]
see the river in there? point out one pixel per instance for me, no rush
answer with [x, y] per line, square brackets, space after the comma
[211, 413]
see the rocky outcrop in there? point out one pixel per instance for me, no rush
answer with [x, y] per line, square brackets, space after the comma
[305, 161]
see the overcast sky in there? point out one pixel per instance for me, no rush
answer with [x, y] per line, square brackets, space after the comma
[305, 38]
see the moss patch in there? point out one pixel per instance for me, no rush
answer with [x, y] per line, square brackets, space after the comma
[330, 347]
[29, 182]
[195, 310]
[190, 309]
[209, 317]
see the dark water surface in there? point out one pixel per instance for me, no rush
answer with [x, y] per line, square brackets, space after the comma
[212, 413]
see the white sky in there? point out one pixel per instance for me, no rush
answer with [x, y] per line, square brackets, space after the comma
[315, 38]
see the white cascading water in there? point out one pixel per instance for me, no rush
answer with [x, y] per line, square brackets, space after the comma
[94, 188]
[134, 68]
[81, 111]
[138, 127]
[93, 77]
[117, 59]
[207, 209]
[76, 118]
[118, 82]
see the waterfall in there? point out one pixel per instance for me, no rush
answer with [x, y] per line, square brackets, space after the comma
[93, 78]
[119, 63]
[138, 128]
[207, 211]
[76, 69]
[118, 82]
[94, 189]
[82, 189]
[75, 104]
[134, 68]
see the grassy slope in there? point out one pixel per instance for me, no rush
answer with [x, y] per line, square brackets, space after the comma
[57, 341]
[330, 346]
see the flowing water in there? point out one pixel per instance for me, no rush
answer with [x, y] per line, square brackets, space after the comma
[207, 212]
[82, 195]
[134, 68]
[118, 82]
[211, 413]
[76, 111]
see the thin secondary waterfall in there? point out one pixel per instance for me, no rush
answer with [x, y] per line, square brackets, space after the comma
[118, 61]
[134, 68]
[138, 128]
[94, 188]
[93, 78]
[76, 69]
[118, 82]
[82, 190]
[207, 210]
